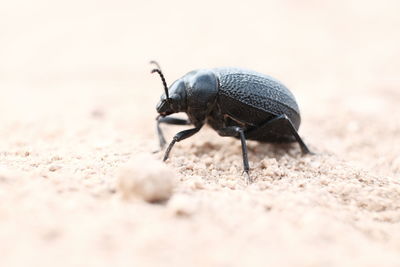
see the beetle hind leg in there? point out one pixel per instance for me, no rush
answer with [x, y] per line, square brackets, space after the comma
[285, 122]
[238, 131]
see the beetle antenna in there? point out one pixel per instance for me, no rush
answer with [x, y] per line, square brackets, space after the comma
[158, 70]
[163, 81]
[155, 63]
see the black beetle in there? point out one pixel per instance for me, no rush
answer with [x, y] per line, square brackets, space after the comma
[234, 102]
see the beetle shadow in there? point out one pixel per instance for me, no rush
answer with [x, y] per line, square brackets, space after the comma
[207, 148]
[273, 150]
[255, 149]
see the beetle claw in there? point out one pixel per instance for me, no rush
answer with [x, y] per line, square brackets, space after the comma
[311, 153]
[247, 177]
[306, 151]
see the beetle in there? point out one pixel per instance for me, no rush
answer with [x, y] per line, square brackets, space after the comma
[235, 102]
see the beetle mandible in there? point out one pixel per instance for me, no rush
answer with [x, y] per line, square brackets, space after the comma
[234, 102]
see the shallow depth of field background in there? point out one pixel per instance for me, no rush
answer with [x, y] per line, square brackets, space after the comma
[77, 101]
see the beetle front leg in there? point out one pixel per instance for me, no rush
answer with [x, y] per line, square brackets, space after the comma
[179, 137]
[237, 131]
[167, 120]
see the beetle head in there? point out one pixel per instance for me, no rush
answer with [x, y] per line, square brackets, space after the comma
[174, 99]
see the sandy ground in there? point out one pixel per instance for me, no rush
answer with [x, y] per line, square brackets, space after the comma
[77, 105]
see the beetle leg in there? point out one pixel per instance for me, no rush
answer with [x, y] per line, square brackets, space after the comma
[238, 131]
[168, 120]
[179, 137]
[284, 119]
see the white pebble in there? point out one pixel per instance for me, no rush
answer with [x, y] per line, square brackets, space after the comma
[196, 182]
[182, 205]
[146, 178]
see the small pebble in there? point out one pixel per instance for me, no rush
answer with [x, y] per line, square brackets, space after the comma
[146, 178]
[196, 182]
[54, 168]
[182, 206]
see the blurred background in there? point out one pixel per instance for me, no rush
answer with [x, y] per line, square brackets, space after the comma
[54, 42]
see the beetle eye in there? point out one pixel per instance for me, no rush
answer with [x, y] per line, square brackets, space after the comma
[163, 106]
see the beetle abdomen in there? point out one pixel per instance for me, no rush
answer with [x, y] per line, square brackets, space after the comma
[258, 91]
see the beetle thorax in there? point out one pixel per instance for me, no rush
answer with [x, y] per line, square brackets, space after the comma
[201, 90]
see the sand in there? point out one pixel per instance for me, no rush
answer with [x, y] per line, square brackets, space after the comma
[77, 107]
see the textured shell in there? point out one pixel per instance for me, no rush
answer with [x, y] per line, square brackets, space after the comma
[259, 91]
